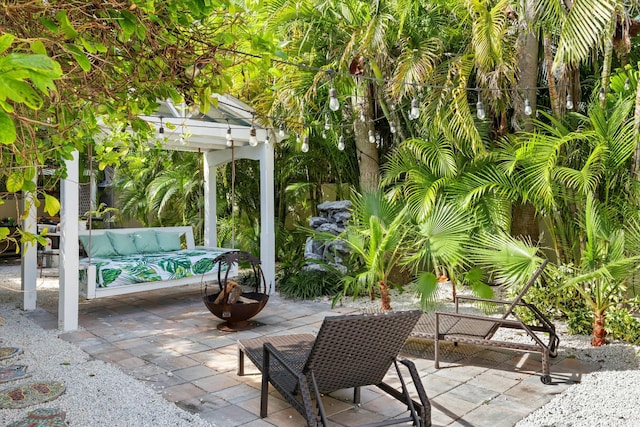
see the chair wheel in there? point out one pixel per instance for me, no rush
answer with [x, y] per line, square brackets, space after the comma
[546, 379]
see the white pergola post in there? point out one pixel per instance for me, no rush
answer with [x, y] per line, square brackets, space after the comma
[210, 203]
[69, 247]
[267, 216]
[29, 265]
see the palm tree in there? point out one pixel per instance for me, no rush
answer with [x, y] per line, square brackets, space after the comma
[376, 239]
[602, 275]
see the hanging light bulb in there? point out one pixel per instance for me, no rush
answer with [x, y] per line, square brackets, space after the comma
[281, 130]
[305, 145]
[602, 96]
[327, 123]
[378, 139]
[414, 113]
[363, 119]
[230, 143]
[480, 110]
[324, 134]
[341, 143]
[392, 128]
[297, 138]
[372, 138]
[569, 102]
[334, 104]
[266, 138]
[527, 107]
[161, 129]
[228, 133]
[253, 140]
[627, 84]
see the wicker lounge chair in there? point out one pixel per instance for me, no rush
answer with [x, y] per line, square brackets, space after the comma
[349, 351]
[479, 330]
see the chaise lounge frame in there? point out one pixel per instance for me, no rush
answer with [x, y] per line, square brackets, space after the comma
[479, 330]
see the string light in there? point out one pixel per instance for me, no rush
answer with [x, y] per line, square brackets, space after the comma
[378, 139]
[414, 113]
[480, 110]
[230, 143]
[602, 96]
[327, 123]
[341, 143]
[372, 138]
[324, 134]
[569, 102]
[305, 144]
[267, 140]
[228, 133]
[334, 104]
[253, 139]
[281, 130]
[627, 84]
[527, 107]
[161, 130]
[392, 128]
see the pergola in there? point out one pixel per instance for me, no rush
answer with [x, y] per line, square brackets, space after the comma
[183, 129]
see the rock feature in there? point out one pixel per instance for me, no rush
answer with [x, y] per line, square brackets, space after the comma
[333, 219]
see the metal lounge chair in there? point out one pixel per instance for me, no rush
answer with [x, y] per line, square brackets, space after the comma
[479, 330]
[349, 351]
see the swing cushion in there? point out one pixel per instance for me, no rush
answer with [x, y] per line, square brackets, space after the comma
[168, 241]
[101, 246]
[146, 242]
[122, 243]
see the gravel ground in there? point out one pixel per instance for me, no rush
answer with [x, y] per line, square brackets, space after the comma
[95, 390]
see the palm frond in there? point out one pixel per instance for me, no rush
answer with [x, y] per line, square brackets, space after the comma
[587, 25]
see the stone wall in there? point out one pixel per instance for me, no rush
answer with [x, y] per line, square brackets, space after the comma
[333, 219]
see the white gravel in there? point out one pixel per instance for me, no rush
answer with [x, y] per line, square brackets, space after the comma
[99, 394]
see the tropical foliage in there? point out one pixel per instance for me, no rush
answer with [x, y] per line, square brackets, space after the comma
[551, 167]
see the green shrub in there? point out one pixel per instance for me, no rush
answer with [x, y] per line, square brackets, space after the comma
[307, 284]
[621, 324]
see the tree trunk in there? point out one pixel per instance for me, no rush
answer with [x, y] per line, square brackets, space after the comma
[527, 63]
[636, 153]
[553, 91]
[598, 330]
[524, 222]
[367, 152]
[384, 296]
